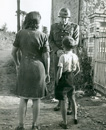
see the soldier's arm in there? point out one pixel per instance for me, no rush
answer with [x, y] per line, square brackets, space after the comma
[52, 41]
[76, 34]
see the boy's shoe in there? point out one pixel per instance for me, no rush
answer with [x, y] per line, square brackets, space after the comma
[64, 126]
[69, 112]
[57, 108]
[75, 121]
[19, 128]
[35, 128]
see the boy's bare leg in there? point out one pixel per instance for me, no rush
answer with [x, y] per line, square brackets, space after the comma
[69, 112]
[74, 108]
[69, 109]
[64, 111]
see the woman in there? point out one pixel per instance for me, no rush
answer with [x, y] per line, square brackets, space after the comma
[33, 69]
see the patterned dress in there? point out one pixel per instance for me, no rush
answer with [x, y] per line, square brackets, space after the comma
[31, 76]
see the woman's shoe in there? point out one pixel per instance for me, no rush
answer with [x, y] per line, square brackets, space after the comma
[19, 128]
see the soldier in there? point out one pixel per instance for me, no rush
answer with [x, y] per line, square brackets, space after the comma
[57, 33]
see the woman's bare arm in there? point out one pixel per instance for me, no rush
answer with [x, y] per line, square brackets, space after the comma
[46, 58]
[14, 54]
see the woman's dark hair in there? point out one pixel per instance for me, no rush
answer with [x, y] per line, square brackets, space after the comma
[32, 20]
[68, 42]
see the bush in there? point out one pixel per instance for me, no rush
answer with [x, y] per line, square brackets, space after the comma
[84, 80]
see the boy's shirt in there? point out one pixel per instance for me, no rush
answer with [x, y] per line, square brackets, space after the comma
[68, 61]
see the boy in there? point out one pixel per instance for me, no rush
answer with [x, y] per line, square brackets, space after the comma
[68, 68]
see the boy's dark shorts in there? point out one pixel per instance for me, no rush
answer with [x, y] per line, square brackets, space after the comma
[63, 89]
[67, 92]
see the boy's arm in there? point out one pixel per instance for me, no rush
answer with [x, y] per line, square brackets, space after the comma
[59, 74]
[78, 68]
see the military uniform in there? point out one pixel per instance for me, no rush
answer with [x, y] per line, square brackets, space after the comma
[59, 31]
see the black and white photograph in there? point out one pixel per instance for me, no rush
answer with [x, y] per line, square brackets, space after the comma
[52, 64]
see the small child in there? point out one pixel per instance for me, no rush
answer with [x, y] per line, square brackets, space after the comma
[68, 68]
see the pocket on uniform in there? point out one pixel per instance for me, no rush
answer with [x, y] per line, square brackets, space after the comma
[57, 35]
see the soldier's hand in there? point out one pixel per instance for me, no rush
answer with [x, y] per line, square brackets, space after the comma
[59, 53]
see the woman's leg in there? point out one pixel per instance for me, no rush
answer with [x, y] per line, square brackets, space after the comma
[35, 111]
[64, 111]
[22, 111]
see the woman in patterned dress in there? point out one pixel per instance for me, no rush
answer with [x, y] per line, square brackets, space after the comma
[33, 69]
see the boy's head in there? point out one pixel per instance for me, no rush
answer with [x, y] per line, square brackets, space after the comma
[68, 42]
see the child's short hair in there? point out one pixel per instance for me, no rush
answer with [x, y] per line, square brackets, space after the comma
[68, 42]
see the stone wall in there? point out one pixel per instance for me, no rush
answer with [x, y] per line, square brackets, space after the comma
[73, 5]
[88, 7]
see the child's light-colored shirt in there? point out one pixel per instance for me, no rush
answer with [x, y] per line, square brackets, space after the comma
[68, 61]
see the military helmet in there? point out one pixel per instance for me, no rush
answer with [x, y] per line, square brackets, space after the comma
[64, 12]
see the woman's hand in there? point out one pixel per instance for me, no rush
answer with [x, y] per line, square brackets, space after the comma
[47, 78]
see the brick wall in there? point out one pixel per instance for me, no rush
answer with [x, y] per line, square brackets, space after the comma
[73, 5]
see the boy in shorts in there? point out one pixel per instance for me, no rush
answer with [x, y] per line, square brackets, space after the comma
[68, 68]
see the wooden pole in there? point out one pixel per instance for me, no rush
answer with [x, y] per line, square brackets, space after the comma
[79, 11]
[18, 27]
[18, 15]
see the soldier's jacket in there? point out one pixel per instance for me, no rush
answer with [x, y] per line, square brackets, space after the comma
[58, 32]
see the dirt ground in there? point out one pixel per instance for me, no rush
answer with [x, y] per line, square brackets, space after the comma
[91, 110]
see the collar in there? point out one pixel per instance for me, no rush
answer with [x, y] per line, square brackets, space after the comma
[68, 52]
[62, 27]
